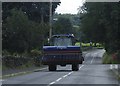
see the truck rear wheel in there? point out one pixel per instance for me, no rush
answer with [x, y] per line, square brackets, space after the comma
[75, 67]
[81, 61]
[52, 67]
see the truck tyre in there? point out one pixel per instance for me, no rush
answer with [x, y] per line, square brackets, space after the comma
[81, 61]
[83, 58]
[75, 67]
[52, 67]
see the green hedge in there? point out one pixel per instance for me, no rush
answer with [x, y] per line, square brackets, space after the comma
[111, 58]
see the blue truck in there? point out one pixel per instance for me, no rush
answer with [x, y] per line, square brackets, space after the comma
[62, 51]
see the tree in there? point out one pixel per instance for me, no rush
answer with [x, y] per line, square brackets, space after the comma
[15, 31]
[100, 22]
[34, 10]
[62, 26]
[91, 26]
[25, 25]
[20, 34]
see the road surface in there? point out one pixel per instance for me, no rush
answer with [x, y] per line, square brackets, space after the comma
[91, 73]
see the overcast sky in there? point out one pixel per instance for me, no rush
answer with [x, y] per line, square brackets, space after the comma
[69, 6]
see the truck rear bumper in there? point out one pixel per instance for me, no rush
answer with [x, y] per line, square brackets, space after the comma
[61, 62]
[62, 59]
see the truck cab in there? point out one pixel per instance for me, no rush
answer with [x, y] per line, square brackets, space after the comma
[62, 51]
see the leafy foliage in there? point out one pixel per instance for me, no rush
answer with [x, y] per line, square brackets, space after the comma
[25, 25]
[62, 26]
[74, 28]
[36, 11]
[100, 22]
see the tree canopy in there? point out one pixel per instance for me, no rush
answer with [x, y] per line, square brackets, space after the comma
[25, 25]
[34, 10]
[62, 26]
[100, 22]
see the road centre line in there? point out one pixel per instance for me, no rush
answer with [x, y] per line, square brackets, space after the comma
[70, 73]
[81, 67]
[93, 58]
[63, 77]
[86, 55]
[51, 83]
[58, 79]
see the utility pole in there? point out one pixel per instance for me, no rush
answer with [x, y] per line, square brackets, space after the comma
[42, 13]
[50, 20]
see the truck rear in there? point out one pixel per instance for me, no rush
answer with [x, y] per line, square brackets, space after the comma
[62, 52]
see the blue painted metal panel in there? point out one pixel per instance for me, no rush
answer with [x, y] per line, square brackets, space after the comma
[55, 48]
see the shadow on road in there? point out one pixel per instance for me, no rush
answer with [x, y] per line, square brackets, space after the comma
[54, 71]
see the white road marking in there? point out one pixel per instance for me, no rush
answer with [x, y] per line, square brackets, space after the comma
[63, 77]
[70, 73]
[58, 79]
[101, 53]
[111, 66]
[1, 80]
[94, 55]
[86, 55]
[41, 69]
[24, 72]
[51, 83]
[116, 66]
[92, 60]
[81, 67]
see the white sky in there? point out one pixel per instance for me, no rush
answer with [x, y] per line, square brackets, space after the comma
[69, 6]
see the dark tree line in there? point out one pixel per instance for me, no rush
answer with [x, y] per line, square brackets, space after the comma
[34, 10]
[66, 24]
[62, 26]
[100, 22]
[25, 25]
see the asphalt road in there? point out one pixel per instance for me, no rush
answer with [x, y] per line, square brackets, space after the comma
[91, 73]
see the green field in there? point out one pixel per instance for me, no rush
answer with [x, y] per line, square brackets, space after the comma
[87, 44]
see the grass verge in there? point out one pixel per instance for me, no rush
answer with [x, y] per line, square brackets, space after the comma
[24, 72]
[106, 59]
[116, 73]
[109, 59]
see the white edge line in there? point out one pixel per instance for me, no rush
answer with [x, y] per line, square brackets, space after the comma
[111, 67]
[24, 72]
[1, 80]
[41, 69]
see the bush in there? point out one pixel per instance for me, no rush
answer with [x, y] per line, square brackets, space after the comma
[23, 60]
[5, 52]
[106, 58]
[35, 53]
[116, 57]
[111, 58]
